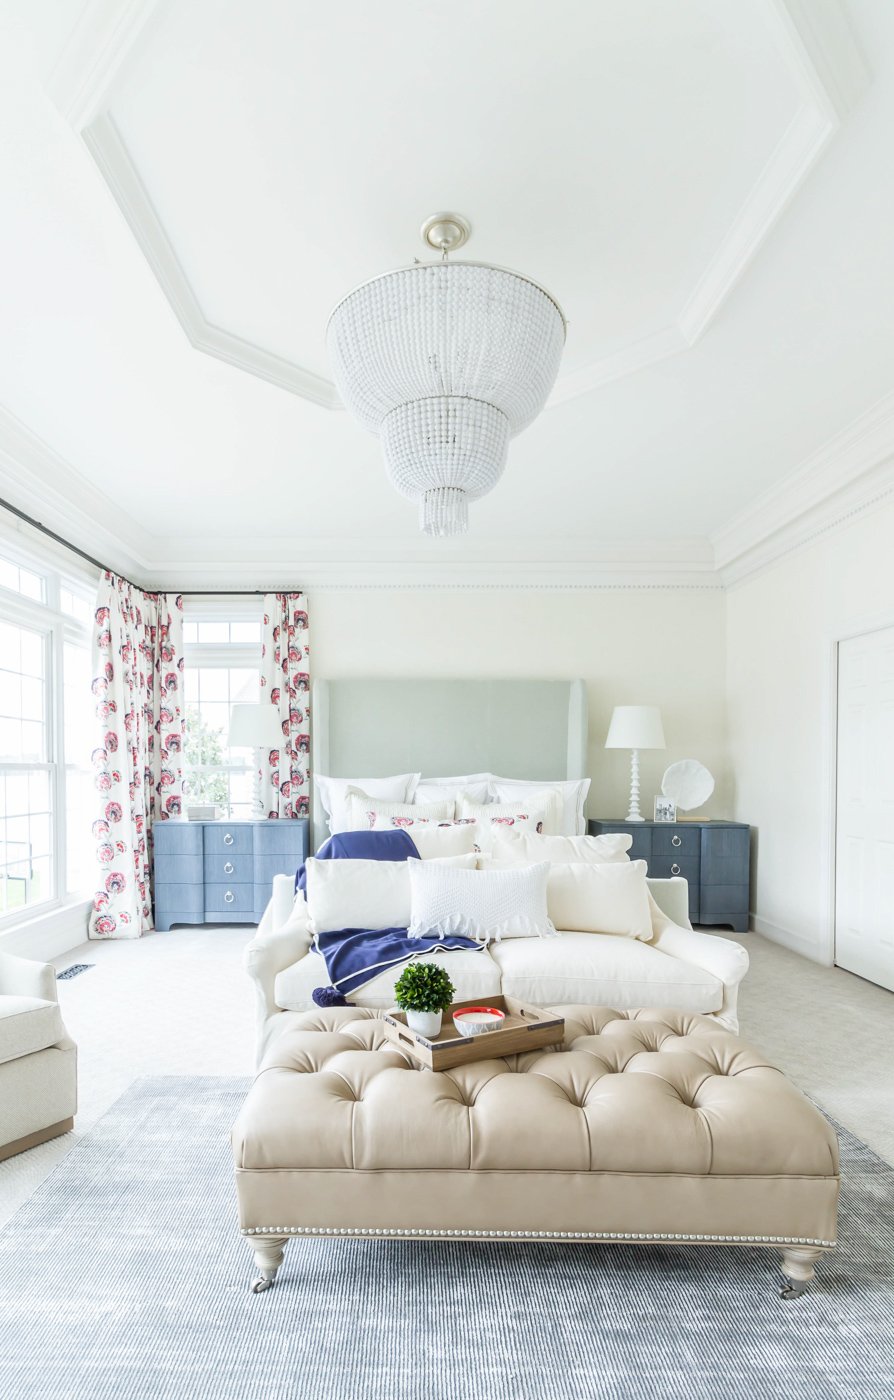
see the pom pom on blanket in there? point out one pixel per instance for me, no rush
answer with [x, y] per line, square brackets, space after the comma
[328, 996]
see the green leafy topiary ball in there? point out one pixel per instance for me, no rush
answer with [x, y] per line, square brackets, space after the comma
[423, 987]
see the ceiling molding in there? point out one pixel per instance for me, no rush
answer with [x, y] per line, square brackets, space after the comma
[847, 477]
[94, 54]
[812, 37]
[105, 144]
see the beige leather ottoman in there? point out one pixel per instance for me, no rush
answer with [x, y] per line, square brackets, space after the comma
[645, 1126]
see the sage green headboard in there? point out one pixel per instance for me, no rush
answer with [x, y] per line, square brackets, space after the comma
[517, 729]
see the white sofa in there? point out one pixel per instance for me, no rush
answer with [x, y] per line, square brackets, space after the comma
[38, 1059]
[680, 968]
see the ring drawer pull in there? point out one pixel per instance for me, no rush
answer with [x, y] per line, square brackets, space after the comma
[229, 896]
[228, 840]
[675, 869]
[228, 868]
[676, 840]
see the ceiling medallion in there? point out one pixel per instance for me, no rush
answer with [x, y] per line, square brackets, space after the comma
[445, 362]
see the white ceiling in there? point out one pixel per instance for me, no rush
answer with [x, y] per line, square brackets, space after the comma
[703, 184]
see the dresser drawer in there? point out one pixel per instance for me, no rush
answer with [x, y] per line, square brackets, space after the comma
[175, 869]
[673, 840]
[178, 838]
[282, 838]
[663, 867]
[179, 903]
[228, 838]
[229, 899]
[231, 867]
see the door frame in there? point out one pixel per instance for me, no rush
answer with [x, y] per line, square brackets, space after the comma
[844, 631]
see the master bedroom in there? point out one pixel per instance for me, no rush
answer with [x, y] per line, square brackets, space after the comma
[446, 695]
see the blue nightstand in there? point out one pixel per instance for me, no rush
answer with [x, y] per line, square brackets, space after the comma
[222, 872]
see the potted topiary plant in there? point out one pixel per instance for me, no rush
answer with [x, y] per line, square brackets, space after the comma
[424, 991]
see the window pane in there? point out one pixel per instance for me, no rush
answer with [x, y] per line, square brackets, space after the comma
[76, 605]
[216, 632]
[214, 684]
[242, 632]
[78, 707]
[10, 647]
[32, 699]
[32, 652]
[32, 741]
[244, 686]
[79, 794]
[210, 692]
[10, 740]
[10, 695]
[21, 580]
[25, 841]
[190, 633]
[9, 574]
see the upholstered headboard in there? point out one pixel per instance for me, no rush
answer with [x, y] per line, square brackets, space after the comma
[517, 729]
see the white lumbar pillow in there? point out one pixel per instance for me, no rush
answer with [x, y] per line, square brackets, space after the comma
[482, 905]
[543, 815]
[607, 898]
[363, 893]
[368, 813]
[515, 847]
[434, 840]
[337, 806]
[574, 797]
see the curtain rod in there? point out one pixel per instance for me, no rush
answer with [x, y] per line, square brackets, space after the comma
[104, 568]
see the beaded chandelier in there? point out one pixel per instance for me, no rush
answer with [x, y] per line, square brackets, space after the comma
[445, 362]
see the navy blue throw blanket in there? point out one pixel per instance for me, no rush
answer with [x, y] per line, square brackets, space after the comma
[355, 956]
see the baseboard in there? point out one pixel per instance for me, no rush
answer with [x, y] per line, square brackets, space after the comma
[806, 947]
[48, 935]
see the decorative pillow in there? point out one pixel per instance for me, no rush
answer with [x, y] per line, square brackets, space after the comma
[337, 807]
[542, 816]
[364, 893]
[515, 847]
[574, 797]
[473, 904]
[610, 898]
[448, 789]
[369, 814]
[434, 840]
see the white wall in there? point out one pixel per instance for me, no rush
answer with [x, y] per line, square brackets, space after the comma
[632, 646]
[779, 643]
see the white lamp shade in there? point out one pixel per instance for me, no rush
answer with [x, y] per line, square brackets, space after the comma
[254, 727]
[635, 727]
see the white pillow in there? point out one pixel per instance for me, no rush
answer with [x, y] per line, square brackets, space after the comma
[363, 893]
[336, 806]
[543, 815]
[434, 840]
[449, 789]
[515, 847]
[574, 797]
[610, 898]
[473, 904]
[368, 813]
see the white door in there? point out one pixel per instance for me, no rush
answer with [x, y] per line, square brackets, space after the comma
[864, 865]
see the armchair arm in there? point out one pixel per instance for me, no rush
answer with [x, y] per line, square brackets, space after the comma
[672, 897]
[724, 959]
[282, 938]
[20, 977]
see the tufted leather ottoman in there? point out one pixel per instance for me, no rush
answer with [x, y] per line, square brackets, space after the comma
[645, 1125]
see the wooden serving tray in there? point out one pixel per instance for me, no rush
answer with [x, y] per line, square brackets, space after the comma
[526, 1028]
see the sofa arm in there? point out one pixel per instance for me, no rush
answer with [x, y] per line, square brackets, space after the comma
[20, 977]
[724, 959]
[281, 940]
[672, 898]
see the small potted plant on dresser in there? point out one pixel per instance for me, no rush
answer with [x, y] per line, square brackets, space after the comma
[424, 991]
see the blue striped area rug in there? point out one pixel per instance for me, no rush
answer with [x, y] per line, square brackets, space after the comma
[124, 1278]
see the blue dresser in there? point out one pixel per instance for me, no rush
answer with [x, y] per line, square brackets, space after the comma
[222, 872]
[715, 857]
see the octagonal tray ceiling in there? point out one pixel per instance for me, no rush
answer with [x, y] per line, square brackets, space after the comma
[630, 157]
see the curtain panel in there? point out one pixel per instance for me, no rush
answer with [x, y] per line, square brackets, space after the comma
[285, 682]
[138, 691]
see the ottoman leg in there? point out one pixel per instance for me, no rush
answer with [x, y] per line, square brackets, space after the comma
[268, 1257]
[797, 1266]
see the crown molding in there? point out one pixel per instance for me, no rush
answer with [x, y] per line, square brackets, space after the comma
[812, 37]
[848, 476]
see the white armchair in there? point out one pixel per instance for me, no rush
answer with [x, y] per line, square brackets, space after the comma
[38, 1059]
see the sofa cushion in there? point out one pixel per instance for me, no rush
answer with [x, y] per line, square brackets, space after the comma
[607, 898]
[601, 969]
[28, 1024]
[473, 973]
[364, 893]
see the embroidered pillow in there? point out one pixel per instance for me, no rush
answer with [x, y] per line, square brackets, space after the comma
[543, 816]
[363, 893]
[520, 847]
[482, 905]
[573, 794]
[331, 792]
[369, 814]
[609, 898]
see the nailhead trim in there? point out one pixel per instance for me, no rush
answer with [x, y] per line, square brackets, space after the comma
[531, 1235]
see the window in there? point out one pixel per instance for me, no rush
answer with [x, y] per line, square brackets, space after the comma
[46, 733]
[223, 668]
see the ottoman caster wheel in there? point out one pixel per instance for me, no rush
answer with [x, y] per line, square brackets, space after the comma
[792, 1288]
[267, 1280]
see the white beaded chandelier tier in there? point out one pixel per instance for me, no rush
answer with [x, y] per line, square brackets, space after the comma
[445, 362]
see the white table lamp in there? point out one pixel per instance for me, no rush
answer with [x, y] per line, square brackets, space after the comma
[635, 727]
[255, 727]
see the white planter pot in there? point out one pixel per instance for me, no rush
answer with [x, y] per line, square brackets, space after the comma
[427, 1023]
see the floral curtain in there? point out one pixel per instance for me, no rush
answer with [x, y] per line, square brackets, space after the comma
[285, 681]
[137, 687]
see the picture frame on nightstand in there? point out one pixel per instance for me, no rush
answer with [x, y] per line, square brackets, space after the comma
[665, 809]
